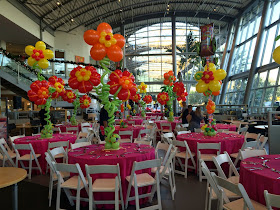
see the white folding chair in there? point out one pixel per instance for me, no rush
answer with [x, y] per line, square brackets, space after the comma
[166, 172]
[83, 135]
[85, 126]
[252, 153]
[186, 155]
[153, 135]
[12, 138]
[255, 136]
[76, 182]
[73, 130]
[246, 146]
[238, 189]
[197, 130]
[27, 157]
[163, 148]
[126, 133]
[53, 176]
[224, 158]
[6, 153]
[165, 128]
[213, 191]
[168, 137]
[56, 129]
[37, 134]
[78, 145]
[262, 141]
[131, 122]
[222, 130]
[144, 142]
[271, 200]
[144, 134]
[82, 140]
[243, 130]
[58, 152]
[206, 157]
[101, 185]
[183, 132]
[142, 180]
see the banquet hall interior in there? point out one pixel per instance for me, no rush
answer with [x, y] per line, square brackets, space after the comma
[147, 104]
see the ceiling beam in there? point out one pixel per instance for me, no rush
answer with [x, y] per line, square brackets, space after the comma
[128, 7]
[202, 14]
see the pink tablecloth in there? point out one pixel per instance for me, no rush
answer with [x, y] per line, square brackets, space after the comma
[229, 142]
[224, 126]
[138, 121]
[256, 181]
[63, 127]
[152, 114]
[96, 155]
[173, 124]
[40, 146]
[135, 128]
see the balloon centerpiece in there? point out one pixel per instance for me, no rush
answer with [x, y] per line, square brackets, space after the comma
[42, 91]
[170, 92]
[121, 84]
[276, 52]
[209, 80]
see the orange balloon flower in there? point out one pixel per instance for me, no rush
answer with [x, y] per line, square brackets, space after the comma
[104, 42]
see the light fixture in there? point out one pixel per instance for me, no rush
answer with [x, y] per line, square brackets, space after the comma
[72, 20]
[215, 9]
[120, 10]
[58, 3]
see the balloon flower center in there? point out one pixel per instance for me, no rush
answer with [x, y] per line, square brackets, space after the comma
[86, 102]
[207, 76]
[107, 37]
[70, 95]
[83, 75]
[58, 86]
[125, 82]
[43, 92]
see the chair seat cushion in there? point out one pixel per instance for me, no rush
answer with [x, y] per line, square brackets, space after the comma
[160, 170]
[183, 155]
[234, 155]
[10, 153]
[61, 155]
[72, 183]
[63, 174]
[234, 179]
[207, 157]
[238, 204]
[228, 193]
[27, 157]
[142, 180]
[104, 185]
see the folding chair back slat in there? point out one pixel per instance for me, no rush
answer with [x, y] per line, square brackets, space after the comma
[252, 153]
[271, 200]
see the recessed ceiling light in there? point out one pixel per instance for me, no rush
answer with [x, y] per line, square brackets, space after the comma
[72, 20]
[58, 3]
[120, 10]
[215, 9]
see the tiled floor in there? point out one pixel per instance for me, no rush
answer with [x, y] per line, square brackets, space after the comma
[34, 195]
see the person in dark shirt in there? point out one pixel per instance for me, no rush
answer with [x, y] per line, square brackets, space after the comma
[104, 117]
[196, 119]
[42, 117]
[186, 113]
[277, 116]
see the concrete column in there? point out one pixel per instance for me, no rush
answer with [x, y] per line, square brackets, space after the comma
[122, 31]
[259, 43]
[173, 19]
[230, 60]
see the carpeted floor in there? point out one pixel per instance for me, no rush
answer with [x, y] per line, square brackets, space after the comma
[33, 194]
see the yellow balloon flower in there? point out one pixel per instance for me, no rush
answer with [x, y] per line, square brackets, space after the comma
[39, 54]
[142, 87]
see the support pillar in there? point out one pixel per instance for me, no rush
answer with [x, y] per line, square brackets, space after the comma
[174, 63]
[122, 31]
[230, 60]
[259, 43]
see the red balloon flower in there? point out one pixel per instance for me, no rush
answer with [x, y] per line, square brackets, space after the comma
[123, 80]
[182, 97]
[58, 84]
[39, 92]
[84, 79]
[179, 88]
[136, 98]
[207, 76]
[69, 96]
[147, 99]
[105, 43]
[85, 101]
[169, 78]
[162, 98]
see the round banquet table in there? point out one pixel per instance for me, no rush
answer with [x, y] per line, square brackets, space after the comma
[63, 127]
[173, 124]
[40, 146]
[138, 121]
[125, 156]
[135, 128]
[152, 114]
[256, 181]
[229, 127]
[229, 142]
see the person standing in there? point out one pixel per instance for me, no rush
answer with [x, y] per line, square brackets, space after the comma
[186, 113]
[196, 118]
